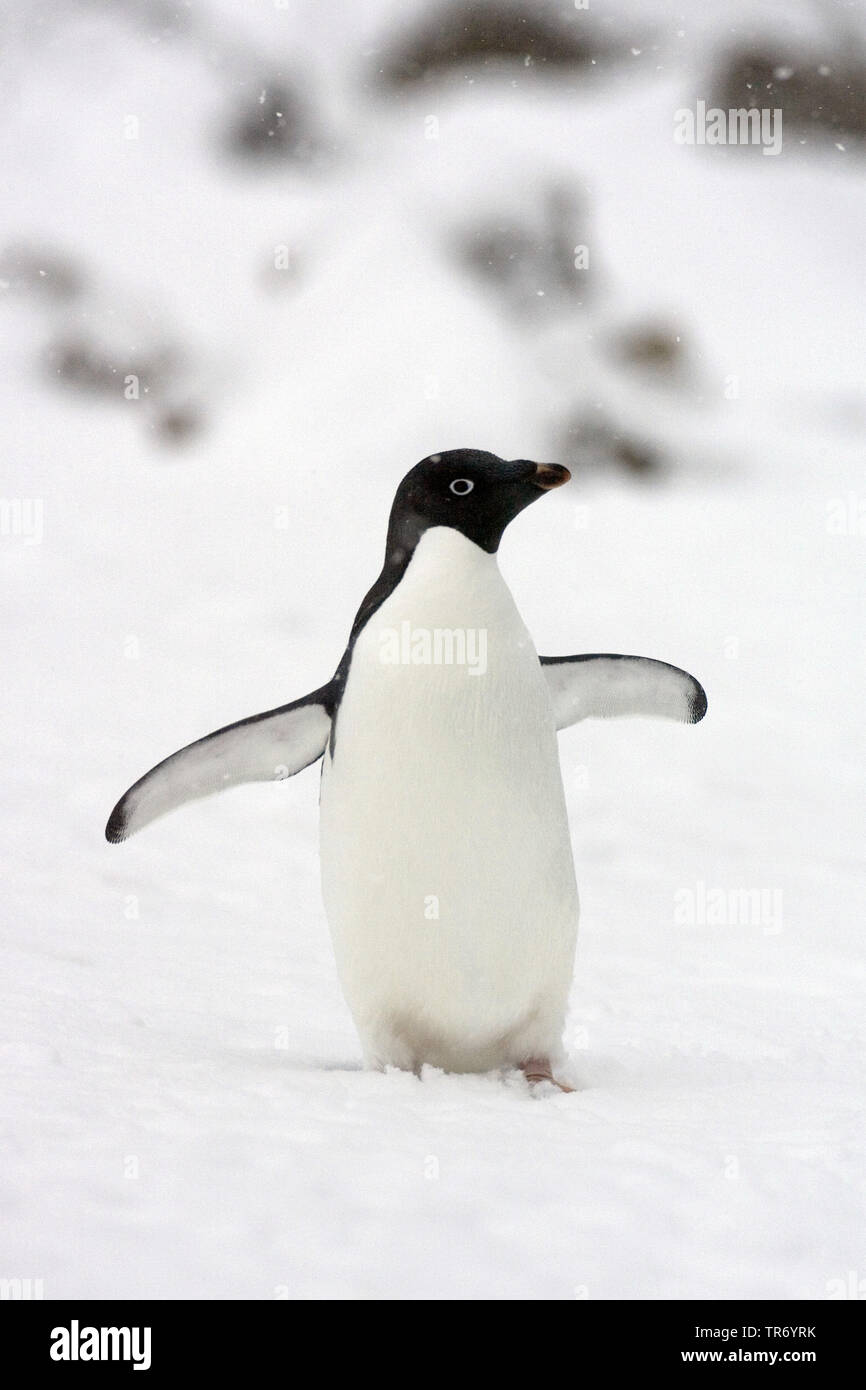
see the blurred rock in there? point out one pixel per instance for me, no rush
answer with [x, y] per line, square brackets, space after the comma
[84, 364]
[655, 349]
[490, 33]
[824, 95]
[598, 443]
[155, 381]
[272, 124]
[534, 261]
[160, 19]
[34, 270]
[179, 424]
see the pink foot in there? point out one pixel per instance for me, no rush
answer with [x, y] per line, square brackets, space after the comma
[538, 1069]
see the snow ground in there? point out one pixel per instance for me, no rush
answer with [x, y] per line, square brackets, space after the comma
[183, 1110]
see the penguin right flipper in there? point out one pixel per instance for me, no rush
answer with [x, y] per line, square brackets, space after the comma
[605, 686]
[264, 748]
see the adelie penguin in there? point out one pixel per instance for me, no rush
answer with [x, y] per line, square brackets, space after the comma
[447, 869]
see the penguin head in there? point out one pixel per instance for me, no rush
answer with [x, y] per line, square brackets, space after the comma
[470, 490]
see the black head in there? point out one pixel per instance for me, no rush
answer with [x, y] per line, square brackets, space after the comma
[472, 492]
[469, 490]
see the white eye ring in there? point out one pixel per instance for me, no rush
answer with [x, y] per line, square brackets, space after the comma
[461, 486]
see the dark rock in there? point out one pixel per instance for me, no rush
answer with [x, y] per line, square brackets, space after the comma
[532, 267]
[85, 365]
[31, 270]
[599, 443]
[273, 124]
[488, 33]
[651, 347]
[179, 424]
[821, 94]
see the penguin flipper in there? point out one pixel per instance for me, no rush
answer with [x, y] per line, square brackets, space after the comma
[605, 686]
[264, 748]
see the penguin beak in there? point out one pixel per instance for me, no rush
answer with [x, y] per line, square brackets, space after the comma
[549, 475]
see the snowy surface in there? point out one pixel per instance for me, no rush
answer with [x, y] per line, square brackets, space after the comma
[183, 1109]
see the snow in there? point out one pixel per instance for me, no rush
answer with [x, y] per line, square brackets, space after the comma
[184, 1113]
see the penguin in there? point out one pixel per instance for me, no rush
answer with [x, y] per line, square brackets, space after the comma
[446, 863]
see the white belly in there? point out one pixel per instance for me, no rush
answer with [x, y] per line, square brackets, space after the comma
[446, 861]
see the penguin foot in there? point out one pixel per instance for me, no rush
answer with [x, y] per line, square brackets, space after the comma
[538, 1069]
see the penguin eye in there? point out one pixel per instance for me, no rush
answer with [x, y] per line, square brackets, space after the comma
[460, 486]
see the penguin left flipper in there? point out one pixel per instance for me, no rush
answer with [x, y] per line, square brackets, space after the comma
[264, 748]
[605, 686]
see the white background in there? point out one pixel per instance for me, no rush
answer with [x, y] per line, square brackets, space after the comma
[184, 1113]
